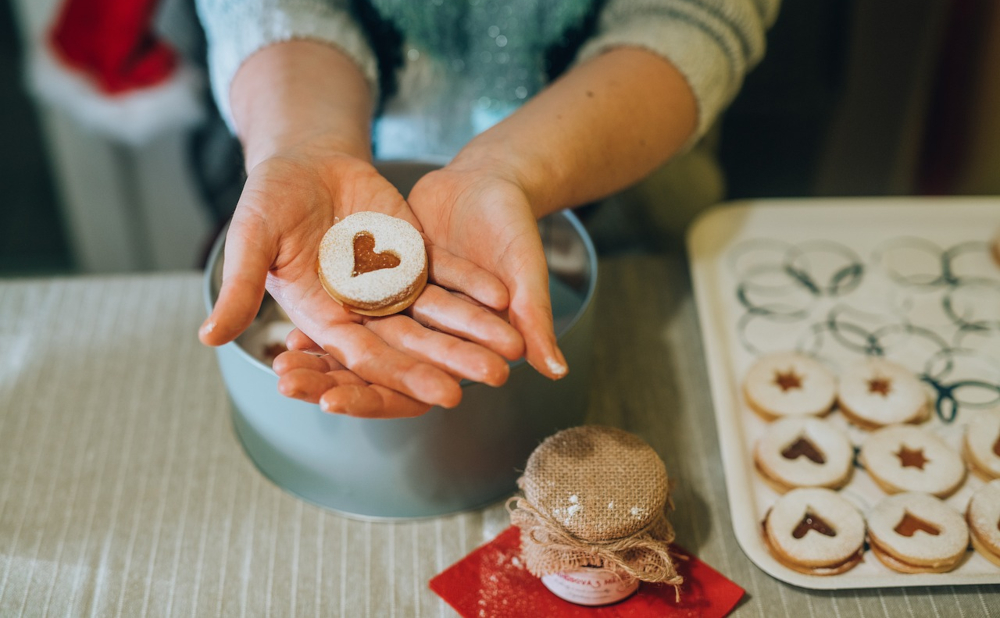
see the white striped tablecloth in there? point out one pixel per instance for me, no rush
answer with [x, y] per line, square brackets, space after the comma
[124, 492]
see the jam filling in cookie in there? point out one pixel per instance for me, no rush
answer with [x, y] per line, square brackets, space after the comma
[789, 384]
[917, 533]
[911, 524]
[367, 260]
[803, 451]
[907, 458]
[373, 264]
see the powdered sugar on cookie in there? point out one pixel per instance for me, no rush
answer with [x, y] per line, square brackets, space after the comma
[384, 285]
[788, 383]
[918, 529]
[878, 392]
[982, 443]
[983, 517]
[815, 527]
[908, 458]
[804, 452]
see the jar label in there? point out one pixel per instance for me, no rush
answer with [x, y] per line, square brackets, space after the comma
[590, 586]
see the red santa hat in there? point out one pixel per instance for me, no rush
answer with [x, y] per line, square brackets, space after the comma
[102, 62]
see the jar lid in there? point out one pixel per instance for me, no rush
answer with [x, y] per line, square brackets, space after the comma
[599, 483]
[596, 497]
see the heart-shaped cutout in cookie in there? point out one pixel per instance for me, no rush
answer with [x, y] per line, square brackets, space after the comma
[803, 447]
[911, 524]
[367, 260]
[812, 521]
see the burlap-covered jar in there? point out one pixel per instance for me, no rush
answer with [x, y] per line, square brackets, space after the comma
[595, 498]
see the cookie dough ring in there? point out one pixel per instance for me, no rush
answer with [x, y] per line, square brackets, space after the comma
[878, 392]
[981, 445]
[917, 533]
[983, 518]
[373, 280]
[789, 384]
[815, 531]
[906, 458]
[801, 451]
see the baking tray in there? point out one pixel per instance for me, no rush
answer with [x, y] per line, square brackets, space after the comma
[909, 278]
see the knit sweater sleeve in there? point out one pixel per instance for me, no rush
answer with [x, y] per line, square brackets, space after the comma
[237, 28]
[713, 43]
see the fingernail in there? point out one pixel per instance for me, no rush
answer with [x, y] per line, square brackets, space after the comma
[557, 368]
[207, 327]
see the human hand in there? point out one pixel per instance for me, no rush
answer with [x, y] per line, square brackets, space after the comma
[289, 201]
[481, 213]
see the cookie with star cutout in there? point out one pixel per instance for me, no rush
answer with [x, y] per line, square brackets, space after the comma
[815, 531]
[803, 451]
[789, 384]
[917, 533]
[906, 458]
[877, 392]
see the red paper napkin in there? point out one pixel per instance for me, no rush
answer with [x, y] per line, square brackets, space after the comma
[492, 582]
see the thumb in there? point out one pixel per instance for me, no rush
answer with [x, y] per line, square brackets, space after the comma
[249, 252]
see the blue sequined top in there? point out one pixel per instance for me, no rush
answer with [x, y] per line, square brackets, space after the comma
[463, 65]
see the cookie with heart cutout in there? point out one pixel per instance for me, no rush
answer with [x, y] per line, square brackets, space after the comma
[983, 517]
[815, 531]
[981, 446]
[906, 458]
[802, 451]
[876, 392]
[373, 264]
[917, 533]
[789, 384]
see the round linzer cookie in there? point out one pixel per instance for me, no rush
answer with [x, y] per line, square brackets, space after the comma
[802, 451]
[917, 533]
[815, 531]
[983, 517]
[981, 446]
[907, 458]
[373, 264]
[876, 392]
[788, 384]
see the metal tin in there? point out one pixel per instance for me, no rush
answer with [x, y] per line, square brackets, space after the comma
[446, 460]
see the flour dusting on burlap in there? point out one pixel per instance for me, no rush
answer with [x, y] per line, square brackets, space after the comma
[596, 497]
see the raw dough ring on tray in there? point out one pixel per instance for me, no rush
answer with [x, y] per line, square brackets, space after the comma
[917, 533]
[789, 384]
[815, 531]
[373, 264]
